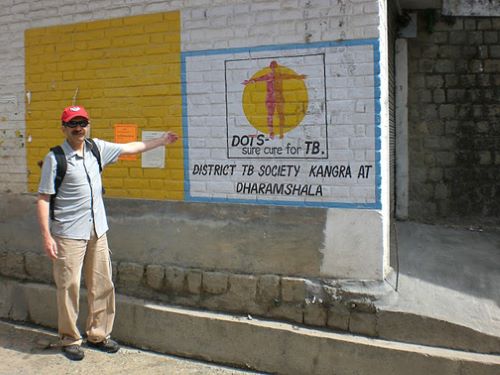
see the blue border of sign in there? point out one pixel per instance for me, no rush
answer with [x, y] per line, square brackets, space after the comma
[283, 47]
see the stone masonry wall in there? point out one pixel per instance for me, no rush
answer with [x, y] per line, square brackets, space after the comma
[319, 303]
[454, 132]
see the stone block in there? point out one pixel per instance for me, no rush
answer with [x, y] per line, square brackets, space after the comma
[432, 143]
[484, 24]
[315, 314]
[468, 80]
[435, 174]
[430, 112]
[290, 312]
[497, 158]
[475, 38]
[456, 95]
[363, 323]
[3, 262]
[174, 279]
[430, 160]
[240, 296]
[447, 111]
[268, 289]
[492, 66]
[215, 282]
[495, 52]
[438, 96]
[483, 126]
[45, 313]
[19, 304]
[441, 37]
[445, 159]
[462, 66]
[293, 289]
[436, 128]
[444, 66]
[426, 66]
[243, 286]
[441, 191]
[155, 275]
[484, 80]
[434, 81]
[458, 37]
[485, 158]
[362, 304]
[130, 274]
[443, 208]
[38, 267]
[470, 24]
[193, 280]
[450, 52]
[12, 265]
[476, 66]
[450, 127]
[491, 37]
[338, 317]
[5, 300]
[424, 96]
[418, 82]
[450, 80]
[482, 52]
[428, 51]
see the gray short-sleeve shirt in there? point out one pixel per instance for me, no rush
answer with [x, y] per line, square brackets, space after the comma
[78, 206]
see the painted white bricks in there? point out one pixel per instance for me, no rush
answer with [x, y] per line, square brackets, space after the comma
[351, 144]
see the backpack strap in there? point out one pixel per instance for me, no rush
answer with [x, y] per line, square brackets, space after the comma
[95, 151]
[60, 173]
[97, 154]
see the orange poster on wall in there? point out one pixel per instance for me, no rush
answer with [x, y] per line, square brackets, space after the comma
[125, 133]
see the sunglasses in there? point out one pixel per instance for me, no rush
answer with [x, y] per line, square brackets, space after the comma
[74, 124]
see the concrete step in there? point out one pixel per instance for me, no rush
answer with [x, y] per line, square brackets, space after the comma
[27, 349]
[262, 345]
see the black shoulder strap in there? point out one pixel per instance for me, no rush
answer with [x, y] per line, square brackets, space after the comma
[60, 173]
[95, 151]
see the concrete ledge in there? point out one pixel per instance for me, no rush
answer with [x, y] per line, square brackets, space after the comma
[240, 341]
[407, 327]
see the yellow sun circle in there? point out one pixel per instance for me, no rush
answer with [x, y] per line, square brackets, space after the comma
[281, 91]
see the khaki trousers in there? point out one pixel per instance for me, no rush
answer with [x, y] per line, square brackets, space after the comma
[94, 256]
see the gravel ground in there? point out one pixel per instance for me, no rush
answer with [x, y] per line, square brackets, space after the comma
[27, 350]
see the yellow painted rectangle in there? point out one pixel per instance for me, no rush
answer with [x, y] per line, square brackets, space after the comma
[127, 71]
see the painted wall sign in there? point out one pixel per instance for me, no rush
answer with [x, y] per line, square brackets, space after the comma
[289, 124]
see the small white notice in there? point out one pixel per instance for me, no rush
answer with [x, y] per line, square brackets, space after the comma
[153, 158]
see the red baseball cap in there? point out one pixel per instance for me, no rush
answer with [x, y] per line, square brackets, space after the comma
[72, 112]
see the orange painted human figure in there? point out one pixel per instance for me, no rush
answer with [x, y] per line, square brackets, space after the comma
[275, 101]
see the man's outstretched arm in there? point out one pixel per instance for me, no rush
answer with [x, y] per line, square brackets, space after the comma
[142, 146]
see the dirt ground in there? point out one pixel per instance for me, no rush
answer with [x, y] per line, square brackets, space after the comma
[30, 350]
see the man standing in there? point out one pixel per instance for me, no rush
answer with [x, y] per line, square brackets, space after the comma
[76, 235]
